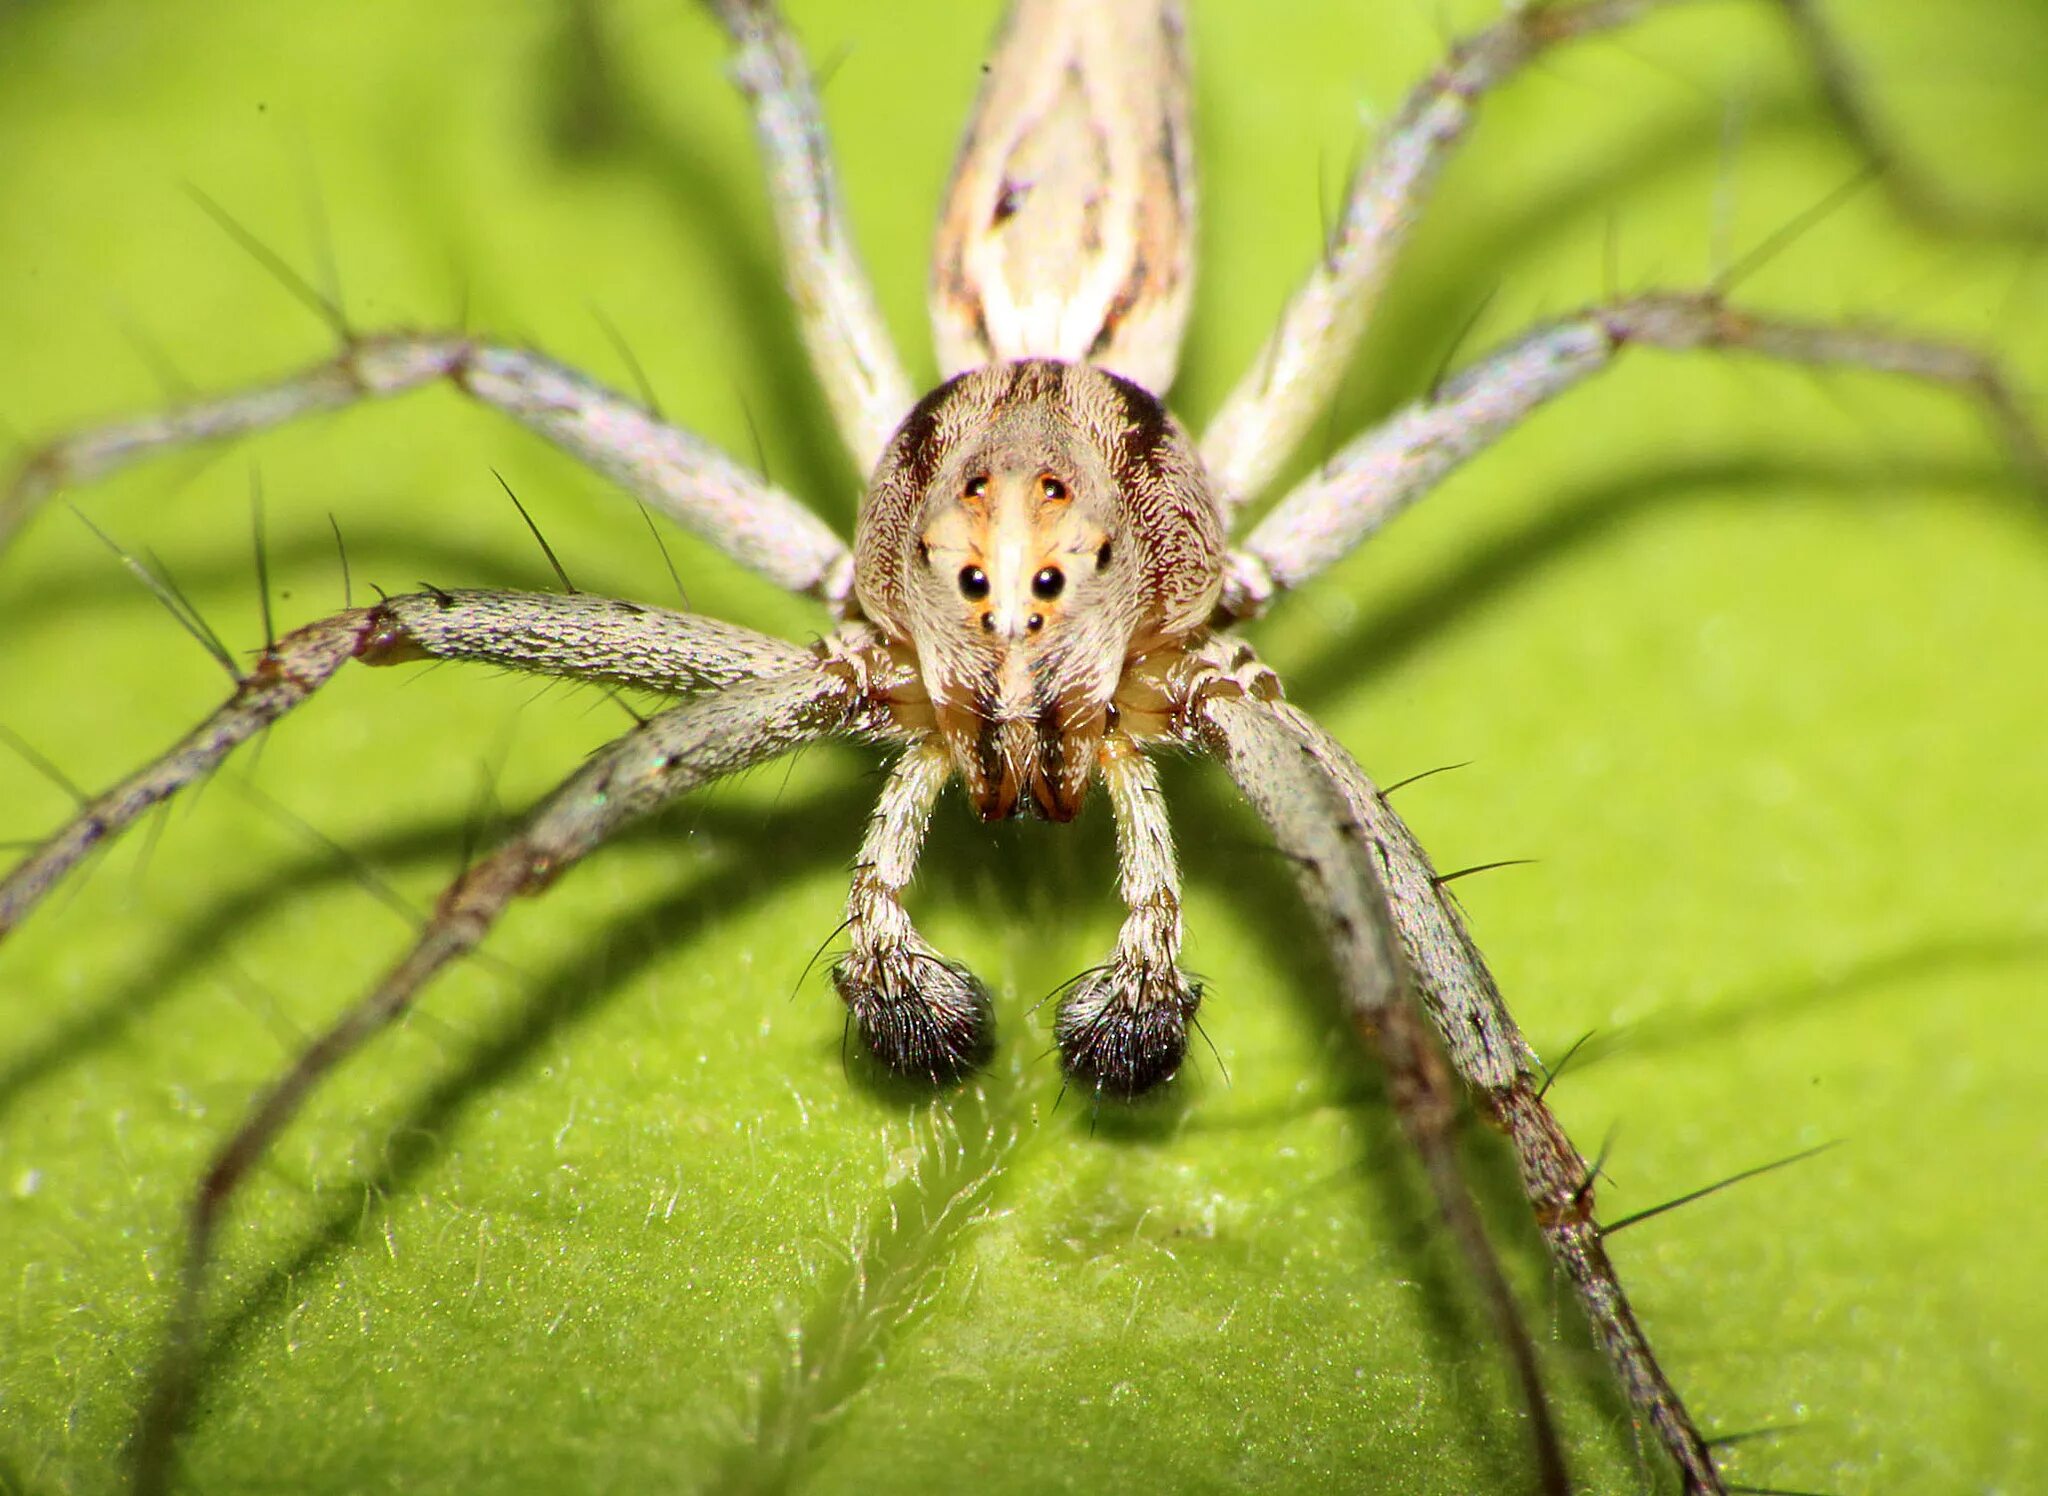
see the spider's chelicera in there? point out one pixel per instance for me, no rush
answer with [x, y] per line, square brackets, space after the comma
[1043, 589]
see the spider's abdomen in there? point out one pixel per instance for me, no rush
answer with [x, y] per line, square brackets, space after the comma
[1032, 527]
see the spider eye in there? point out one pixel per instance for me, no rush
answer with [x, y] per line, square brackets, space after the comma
[1049, 583]
[977, 485]
[1102, 556]
[1052, 488]
[973, 583]
[1035, 622]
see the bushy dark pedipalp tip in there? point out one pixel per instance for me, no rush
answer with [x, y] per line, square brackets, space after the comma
[922, 1017]
[1124, 1034]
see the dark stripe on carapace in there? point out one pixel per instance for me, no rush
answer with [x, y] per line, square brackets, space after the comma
[1035, 379]
[917, 437]
[1145, 433]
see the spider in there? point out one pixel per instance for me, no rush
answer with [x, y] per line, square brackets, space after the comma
[1358, 960]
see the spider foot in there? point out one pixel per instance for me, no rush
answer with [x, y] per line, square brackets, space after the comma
[1124, 1030]
[921, 1015]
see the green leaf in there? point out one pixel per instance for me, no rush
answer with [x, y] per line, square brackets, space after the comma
[1749, 659]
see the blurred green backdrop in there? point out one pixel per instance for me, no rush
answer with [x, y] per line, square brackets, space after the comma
[1750, 660]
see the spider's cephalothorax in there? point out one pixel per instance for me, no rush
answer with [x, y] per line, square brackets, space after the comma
[1033, 527]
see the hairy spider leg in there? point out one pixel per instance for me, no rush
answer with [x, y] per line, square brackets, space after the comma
[685, 477]
[1381, 473]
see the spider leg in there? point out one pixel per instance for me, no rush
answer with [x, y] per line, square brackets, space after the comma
[1479, 1036]
[1295, 373]
[1382, 472]
[682, 475]
[670, 754]
[577, 636]
[1299, 798]
[1124, 1028]
[849, 344]
[920, 1014]
[1068, 230]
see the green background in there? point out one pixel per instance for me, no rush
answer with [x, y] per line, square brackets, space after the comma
[1750, 660]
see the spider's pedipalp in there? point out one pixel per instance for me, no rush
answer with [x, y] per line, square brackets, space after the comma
[923, 1016]
[1123, 1028]
[684, 476]
[1378, 475]
[1123, 1031]
[920, 1014]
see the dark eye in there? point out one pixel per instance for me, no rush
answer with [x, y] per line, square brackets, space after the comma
[1102, 556]
[973, 583]
[977, 485]
[1048, 583]
[1052, 488]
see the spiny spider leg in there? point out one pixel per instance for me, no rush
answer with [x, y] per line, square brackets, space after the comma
[750, 519]
[1378, 475]
[1123, 1029]
[682, 475]
[1295, 373]
[1486, 1048]
[850, 348]
[1297, 797]
[921, 1014]
[575, 637]
[667, 756]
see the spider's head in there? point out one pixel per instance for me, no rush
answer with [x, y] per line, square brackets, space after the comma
[1032, 528]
